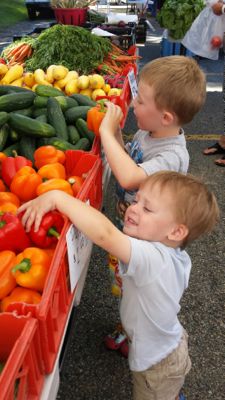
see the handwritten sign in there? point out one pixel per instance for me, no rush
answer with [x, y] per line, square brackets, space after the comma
[133, 84]
[79, 248]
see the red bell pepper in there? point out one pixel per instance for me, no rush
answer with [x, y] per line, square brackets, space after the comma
[10, 165]
[49, 230]
[12, 233]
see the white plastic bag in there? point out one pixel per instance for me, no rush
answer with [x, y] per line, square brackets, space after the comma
[204, 28]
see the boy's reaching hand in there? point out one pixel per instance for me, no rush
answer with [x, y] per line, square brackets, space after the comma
[111, 121]
[34, 210]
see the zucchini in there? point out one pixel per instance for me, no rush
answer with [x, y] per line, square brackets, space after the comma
[16, 101]
[25, 111]
[73, 134]
[56, 118]
[74, 113]
[39, 111]
[4, 133]
[66, 102]
[30, 127]
[83, 130]
[27, 147]
[7, 89]
[48, 91]
[10, 150]
[82, 144]
[83, 100]
[40, 101]
[4, 116]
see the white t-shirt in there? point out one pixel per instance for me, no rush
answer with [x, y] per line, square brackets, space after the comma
[153, 284]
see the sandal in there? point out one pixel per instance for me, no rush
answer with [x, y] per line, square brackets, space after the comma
[217, 150]
[220, 162]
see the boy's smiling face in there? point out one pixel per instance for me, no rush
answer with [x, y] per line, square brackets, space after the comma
[148, 117]
[151, 216]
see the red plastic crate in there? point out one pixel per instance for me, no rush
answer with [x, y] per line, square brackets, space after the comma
[52, 311]
[71, 16]
[22, 377]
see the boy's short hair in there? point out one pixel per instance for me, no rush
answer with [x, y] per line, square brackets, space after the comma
[179, 85]
[195, 205]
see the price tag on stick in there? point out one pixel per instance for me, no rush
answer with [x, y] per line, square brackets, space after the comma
[133, 83]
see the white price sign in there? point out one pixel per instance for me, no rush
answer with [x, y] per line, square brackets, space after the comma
[133, 83]
[79, 248]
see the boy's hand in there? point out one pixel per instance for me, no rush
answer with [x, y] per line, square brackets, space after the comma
[35, 209]
[111, 121]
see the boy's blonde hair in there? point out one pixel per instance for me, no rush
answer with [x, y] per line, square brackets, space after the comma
[179, 85]
[195, 205]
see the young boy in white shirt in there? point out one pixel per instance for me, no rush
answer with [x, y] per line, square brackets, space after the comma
[169, 211]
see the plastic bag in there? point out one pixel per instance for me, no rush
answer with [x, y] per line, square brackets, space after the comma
[204, 28]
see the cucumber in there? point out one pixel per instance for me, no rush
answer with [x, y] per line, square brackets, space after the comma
[83, 100]
[6, 89]
[30, 127]
[42, 118]
[56, 118]
[40, 101]
[73, 134]
[83, 130]
[16, 101]
[10, 150]
[39, 111]
[48, 91]
[4, 133]
[66, 102]
[82, 144]
[74, 113]
[27, 147]
[25, 111]
[13, 135]
[4, 116]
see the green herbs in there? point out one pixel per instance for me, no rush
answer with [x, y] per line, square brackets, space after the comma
[178, 15]
[72, 46]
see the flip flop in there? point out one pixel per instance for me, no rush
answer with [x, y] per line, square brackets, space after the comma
[218, 150]
[220, 164]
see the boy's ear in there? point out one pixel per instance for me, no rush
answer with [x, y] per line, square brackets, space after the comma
[168, 118]
[178, 233]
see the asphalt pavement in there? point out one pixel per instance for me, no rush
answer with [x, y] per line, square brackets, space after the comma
[89, 371]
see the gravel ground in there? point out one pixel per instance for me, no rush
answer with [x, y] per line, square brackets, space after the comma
[89, 372]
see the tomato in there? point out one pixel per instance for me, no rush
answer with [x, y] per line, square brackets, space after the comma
[76, 182]
[216, 41]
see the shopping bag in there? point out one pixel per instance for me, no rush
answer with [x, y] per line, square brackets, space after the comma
[206, 26]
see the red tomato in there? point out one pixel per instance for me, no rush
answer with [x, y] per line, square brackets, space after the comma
[216, 41]
[76, 182]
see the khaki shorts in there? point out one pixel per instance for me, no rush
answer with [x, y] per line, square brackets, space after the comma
[164, 380]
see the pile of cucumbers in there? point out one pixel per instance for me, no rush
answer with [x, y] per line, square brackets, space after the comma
[47, 116]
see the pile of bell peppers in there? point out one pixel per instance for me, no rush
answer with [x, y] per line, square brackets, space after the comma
[25, 257]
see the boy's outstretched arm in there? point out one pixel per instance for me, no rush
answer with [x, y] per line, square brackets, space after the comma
[125, 170]
[87, 219]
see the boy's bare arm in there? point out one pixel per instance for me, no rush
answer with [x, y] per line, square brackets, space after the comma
[125, 170]
[88, 220]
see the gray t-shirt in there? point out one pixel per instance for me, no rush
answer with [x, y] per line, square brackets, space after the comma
[153, 155]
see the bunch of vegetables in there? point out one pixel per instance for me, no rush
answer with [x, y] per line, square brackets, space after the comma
[178, 15]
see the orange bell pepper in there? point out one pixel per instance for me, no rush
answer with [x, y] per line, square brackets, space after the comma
[7, 280]
[54, 184]
[2, 157]
[2, 186]
[48, 155]
[76, 183]
[20, 295]
[54, 170]
[95, 116]
[25, 183]
[31, 268]
[9, 202]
